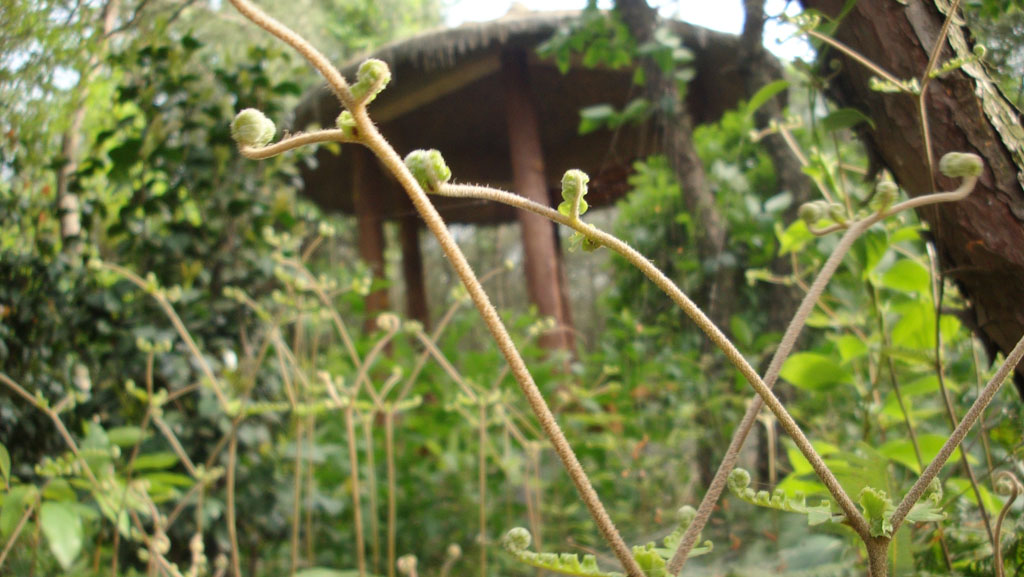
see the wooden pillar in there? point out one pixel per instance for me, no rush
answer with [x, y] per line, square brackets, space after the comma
[367, 180]
[412, 271]
[543, 271]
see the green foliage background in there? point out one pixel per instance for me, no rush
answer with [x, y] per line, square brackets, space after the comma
[163, 192]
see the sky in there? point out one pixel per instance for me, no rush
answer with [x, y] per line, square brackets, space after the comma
[722, 15]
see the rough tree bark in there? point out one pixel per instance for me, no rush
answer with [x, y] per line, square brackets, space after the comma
[980, 240]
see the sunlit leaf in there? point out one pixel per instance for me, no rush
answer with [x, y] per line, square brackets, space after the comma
[814, 372]
[793, 238]
[15, 501]
[5, 464]
[163, 460]
[126, 436]
[908, 276]
[846, 118]
[63, 529]
[901, 450]
[850, 347]
[764, 94]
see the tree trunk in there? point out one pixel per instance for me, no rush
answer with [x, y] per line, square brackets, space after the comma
[980, 240]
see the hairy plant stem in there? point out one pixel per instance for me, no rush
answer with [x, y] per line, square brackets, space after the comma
[937, 292]
[763, 388]
[17, 531]
[1014, 492]
[371, 482]
[372, 139]
[229, 504]
[389, 455]
[482, 482]
[954, 440]
[296, 496]
[387, 155]
[179, 326]
[353, 463]
[878, 555]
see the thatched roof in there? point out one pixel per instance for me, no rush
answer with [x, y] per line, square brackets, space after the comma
[447, 92]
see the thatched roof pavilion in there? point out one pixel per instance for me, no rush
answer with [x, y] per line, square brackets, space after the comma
[502, 116]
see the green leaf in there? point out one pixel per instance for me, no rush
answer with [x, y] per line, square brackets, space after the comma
[850, 347]
[869, 250]
[925, 512]
[845, 118]
[595, 117]
[14, 504]
[126, 436]
[911, 233]
[164, 460]
[902, 450]
[59, 490]
[878, 508]
[916, 328]
[741, 331]
[907, 276]
[765, 94]
[961, 486]
[794, 238]
[926, 385]
[5, 464]
[63, 529]
[288, 87]
[814, 372]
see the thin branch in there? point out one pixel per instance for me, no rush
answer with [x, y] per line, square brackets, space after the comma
[714, 333]
[292, 142]
[958, 434]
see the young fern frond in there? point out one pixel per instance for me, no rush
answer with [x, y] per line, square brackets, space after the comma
[360, 128]
[425, 172]
[653, 560]
[739, 484]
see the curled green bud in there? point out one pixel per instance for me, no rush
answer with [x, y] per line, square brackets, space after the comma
[252, 128]
[811, 212]
[961, 165]
[835, 211]
[371, 79]
[429, 168]
[406, 565]
[686, 515]
[388, 322]
[347, 124]
[516, 540]
[886, 193]
[574, 188]
[1007, 484]
[739, 479]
